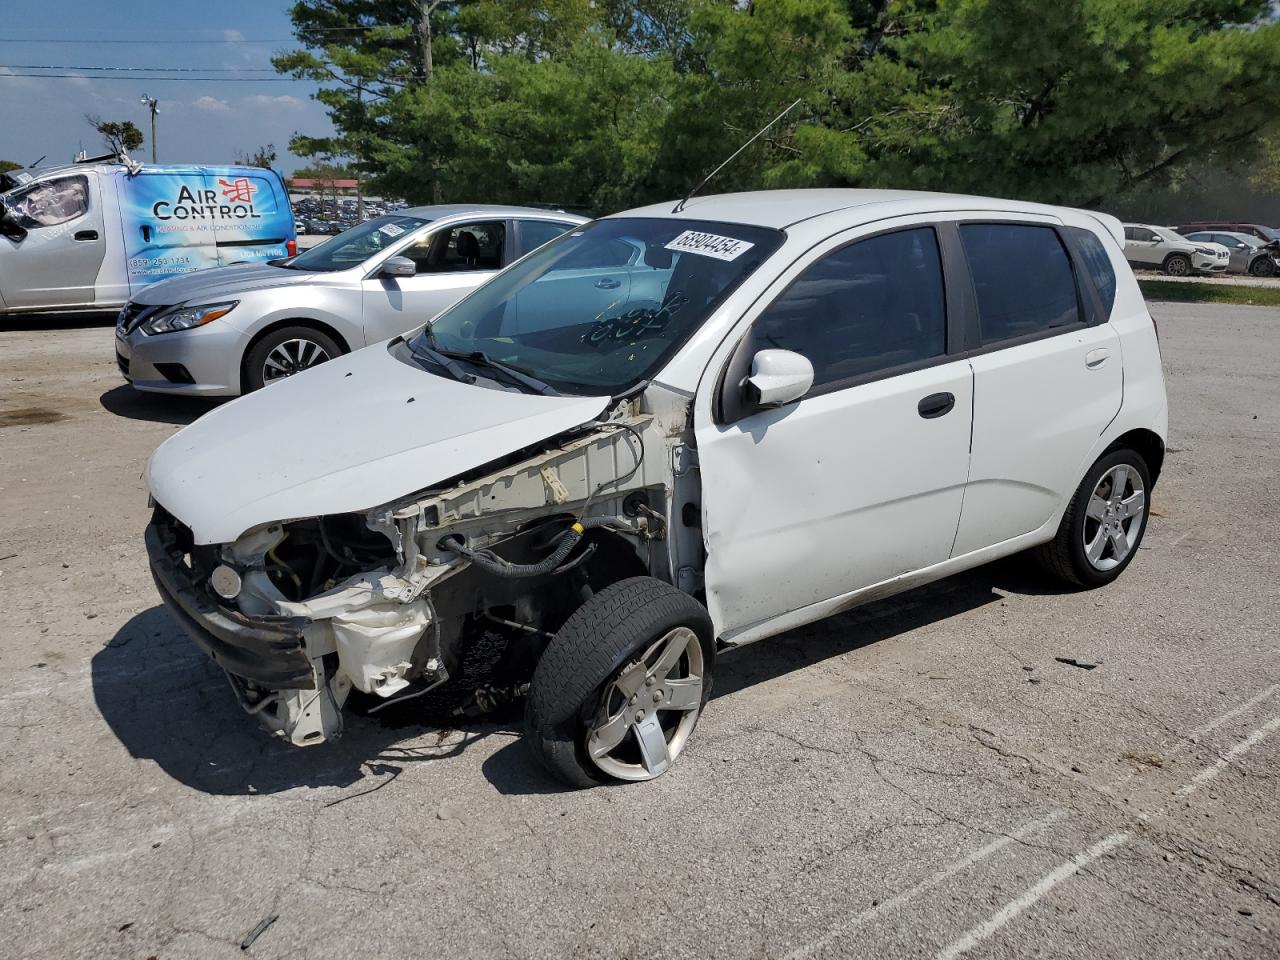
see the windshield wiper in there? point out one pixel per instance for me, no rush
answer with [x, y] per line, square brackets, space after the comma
[480, 358]
[450, 365]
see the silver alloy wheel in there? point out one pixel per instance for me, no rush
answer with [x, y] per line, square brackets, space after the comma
[1178, 267]
[290, 357]
[648, 710]
[1114, 517]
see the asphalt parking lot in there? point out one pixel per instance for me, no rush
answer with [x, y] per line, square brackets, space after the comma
[922, 777]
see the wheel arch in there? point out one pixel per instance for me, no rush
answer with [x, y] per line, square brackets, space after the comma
[274, 325]
[1147, 443]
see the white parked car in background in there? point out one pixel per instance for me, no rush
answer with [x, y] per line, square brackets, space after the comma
[799, 401]
[1159, 248]
[234, 329]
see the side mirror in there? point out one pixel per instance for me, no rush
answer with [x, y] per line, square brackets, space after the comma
[777, 377]
[9, 225]
[398, 267]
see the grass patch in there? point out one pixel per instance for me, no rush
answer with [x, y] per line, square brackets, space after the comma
[1210, 293]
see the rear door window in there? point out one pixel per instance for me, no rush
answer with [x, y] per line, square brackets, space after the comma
[872, 306]
[1022, 278]
[534, 233]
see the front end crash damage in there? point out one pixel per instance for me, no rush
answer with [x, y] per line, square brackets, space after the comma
[394, 601]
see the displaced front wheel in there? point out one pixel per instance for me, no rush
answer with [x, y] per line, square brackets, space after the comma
[620, 687]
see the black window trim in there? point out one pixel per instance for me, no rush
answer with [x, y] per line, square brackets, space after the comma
[963, 334]
[1083, 284]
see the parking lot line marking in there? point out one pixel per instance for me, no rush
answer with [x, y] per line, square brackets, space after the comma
[893, 903]
[972, 937]
[1235, 711]
[975, 935]
[1241, 748]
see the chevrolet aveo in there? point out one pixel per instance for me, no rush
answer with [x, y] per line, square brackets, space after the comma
[802, 401]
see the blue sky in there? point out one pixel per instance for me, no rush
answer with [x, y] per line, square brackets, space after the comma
[198, 121]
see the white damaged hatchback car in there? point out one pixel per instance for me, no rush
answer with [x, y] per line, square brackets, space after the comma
[795, 402]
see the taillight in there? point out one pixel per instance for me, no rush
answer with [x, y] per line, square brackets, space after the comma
[291, 247]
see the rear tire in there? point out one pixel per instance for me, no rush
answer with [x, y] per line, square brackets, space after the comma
[1177, 265]
[284, 352]
[613, 645]
[1103, 527]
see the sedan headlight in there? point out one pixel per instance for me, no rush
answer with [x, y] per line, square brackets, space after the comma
[184, 318]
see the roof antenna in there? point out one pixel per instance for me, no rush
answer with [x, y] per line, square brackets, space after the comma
[689, 196]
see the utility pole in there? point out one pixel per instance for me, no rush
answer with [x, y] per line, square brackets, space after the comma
[360, 153]
[152, 103]
[425, 9]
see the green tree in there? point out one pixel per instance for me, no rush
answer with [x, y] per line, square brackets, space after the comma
[119, 136]
[7, 165]
[611, 103]
[1075, 101]
[263, 156]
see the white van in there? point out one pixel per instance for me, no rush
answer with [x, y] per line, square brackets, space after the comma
[89, 235]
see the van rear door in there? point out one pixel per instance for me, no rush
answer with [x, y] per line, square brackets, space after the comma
[255, 221]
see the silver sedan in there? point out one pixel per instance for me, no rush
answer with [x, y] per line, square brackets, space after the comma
[230, 330]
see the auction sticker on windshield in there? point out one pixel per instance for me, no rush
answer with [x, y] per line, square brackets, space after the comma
[391, 229]
[709, 245]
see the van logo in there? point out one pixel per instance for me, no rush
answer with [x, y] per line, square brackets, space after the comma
[235, 203]
[239, 190]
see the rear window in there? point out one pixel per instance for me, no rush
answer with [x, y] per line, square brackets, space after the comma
[1097, 265]
[1022, 278]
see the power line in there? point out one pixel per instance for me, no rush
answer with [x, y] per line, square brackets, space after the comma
[134, 40]
[81, 76]
[37, 66]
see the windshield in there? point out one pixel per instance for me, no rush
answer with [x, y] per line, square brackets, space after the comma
[353, 247]
[1169, 234]
[603, 307]
[1271, 232]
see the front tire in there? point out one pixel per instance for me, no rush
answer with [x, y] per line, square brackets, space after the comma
[620, 687]
[1102, 529]
[284, 352]
[1177, 265]
[1262, 267]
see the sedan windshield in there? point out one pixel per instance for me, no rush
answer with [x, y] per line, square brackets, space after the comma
[353, 247]
[602, 308]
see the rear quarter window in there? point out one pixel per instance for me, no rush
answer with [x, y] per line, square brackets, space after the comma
[1097, 265]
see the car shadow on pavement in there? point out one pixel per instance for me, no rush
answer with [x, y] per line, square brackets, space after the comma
[166, 701]
[31, 322]
[862, 626]
[124, 401]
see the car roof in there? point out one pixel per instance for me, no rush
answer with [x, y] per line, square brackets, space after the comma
[785, 208]
[438, 211]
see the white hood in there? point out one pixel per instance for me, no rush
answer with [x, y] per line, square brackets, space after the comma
[345, 436]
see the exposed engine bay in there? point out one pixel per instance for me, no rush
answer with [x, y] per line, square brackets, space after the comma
[389, 602]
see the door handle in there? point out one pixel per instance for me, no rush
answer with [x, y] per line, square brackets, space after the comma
[86, 235]
[608, 283]
[936, 405]
[1095, 359]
